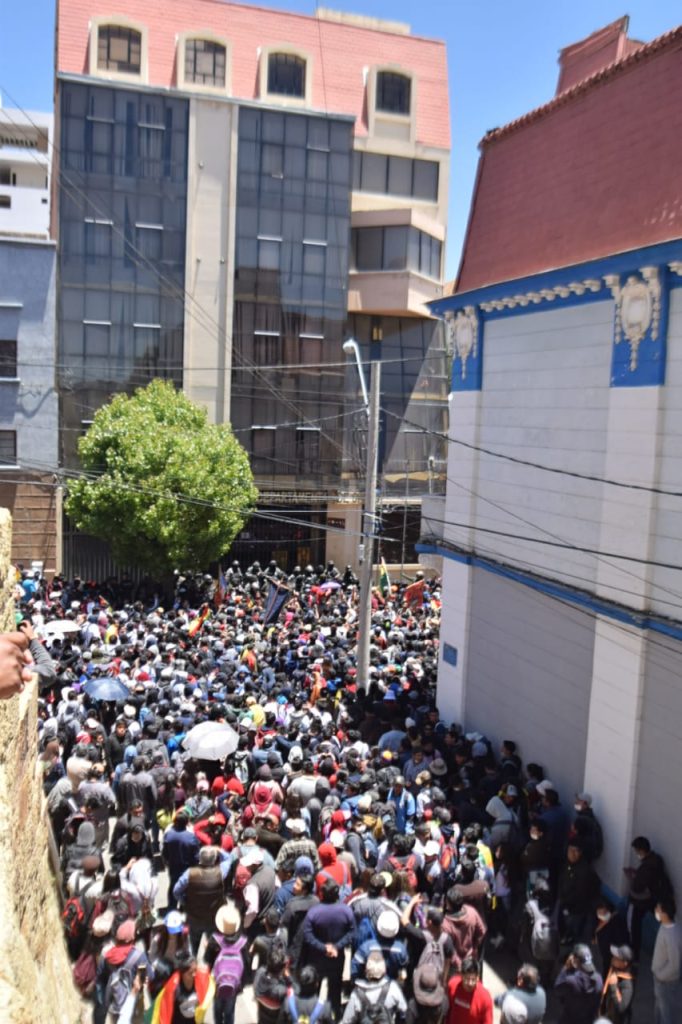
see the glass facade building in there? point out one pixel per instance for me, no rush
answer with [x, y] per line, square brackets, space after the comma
[122, 214]
[291, 280]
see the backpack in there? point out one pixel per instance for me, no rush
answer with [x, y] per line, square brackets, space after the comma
[407, 868]
[75, 918]
[84, 972]
[228, 968]
[544, 939]
[433, 955]
[120, 981]
[119, 903]
[377, 1012]
[303, 1018]
[365, 932]
[345, 889]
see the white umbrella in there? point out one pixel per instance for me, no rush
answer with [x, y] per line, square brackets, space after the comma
[61, 626]
[211, 741]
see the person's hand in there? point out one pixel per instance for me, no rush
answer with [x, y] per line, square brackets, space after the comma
[26, 628]
[14, 662]
[331, 951]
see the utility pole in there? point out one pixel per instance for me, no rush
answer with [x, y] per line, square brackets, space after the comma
[369, 527]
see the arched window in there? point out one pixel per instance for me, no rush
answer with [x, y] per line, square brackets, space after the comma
[286, 75]
[119, 49]
[393, 92]
[205, 63]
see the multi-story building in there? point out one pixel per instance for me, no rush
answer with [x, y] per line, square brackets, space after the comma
[238, 191]
[561, 530]
[28, 398]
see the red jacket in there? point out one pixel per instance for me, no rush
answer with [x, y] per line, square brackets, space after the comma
[469, 1007]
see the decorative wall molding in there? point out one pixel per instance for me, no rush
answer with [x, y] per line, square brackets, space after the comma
[464, 341]
[638, 308]
[535, 298]
[640, 319]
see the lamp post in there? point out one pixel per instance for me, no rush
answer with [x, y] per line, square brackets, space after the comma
[366, 547]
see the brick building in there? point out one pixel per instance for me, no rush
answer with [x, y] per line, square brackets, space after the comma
[562, 528]
[238, 191]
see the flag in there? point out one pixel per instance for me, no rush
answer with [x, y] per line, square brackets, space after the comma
[414, 594]
[199, 620]
[384, 580]
[221, 589]
[278, 595]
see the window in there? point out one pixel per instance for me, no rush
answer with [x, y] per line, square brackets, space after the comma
[5, 202]
[286, 74]
[205, 62]
[308, 449]
[8, 447]
[395, 175]
[269, 253]
[263, 442]
[396, 248]
[119, 49]
[393, 92]
[267, 348]
[8, 359]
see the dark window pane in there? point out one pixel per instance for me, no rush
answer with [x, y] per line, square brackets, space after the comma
[393, 92]
[8, 447]
[413, 250]
[368, 246]
[268, 255]
[8, 358]
[425, 179]
[286, 74]
[205, 62]
[357, 170]
[119, 49]
[399, 176]
[395, 248]
[374, 172]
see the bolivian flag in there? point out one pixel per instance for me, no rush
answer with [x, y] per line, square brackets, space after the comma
[199, 620]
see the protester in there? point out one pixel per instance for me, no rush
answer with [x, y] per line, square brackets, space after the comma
[343, 815]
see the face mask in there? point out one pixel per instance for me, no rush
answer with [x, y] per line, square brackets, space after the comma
[604, 915]
[657, 916]
[535, 835]
[578, 807]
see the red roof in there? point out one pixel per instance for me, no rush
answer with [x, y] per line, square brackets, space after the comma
[593, 172]
[340, 53]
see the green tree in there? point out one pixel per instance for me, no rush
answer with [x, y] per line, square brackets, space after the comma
[164, 487]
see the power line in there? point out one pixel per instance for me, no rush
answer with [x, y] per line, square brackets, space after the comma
[535, 465]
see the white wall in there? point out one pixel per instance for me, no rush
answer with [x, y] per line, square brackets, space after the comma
[529, 674]
[545, 399]
[667, 541]
[657, 811]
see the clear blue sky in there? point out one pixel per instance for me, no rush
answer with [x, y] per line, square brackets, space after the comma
[502, 59]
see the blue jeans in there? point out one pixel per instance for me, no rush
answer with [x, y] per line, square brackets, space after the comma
[667, 1002]
[223, 1010]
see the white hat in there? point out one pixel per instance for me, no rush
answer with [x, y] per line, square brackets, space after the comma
[228, 919]
[297, 826]
[388, 924]
[431, 848]
[543, 786]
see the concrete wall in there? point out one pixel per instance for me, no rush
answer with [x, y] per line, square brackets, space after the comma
[35, 974]
[529, 655]
[211, 189]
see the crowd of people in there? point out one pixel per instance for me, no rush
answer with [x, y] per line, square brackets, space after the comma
[336, 846]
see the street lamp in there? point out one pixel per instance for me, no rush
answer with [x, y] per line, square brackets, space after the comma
[366, 546]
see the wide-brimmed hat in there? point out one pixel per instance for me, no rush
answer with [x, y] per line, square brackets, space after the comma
[228, 920]
[427, 986]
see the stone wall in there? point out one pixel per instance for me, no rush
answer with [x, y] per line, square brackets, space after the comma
[35, 974]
